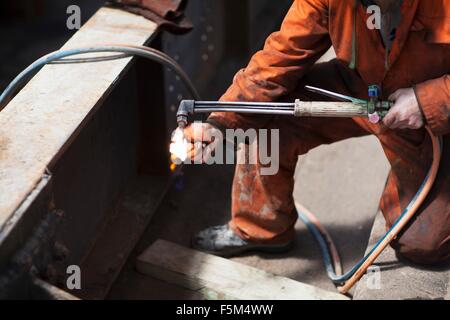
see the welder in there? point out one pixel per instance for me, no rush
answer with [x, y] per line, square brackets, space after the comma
[408, 58]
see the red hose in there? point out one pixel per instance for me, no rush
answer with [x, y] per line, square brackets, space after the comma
[391, 235]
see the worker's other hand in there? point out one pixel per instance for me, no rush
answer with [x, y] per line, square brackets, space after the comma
[203, 139]
[405, 113]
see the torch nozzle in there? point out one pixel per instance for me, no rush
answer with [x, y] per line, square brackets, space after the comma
[185, 109]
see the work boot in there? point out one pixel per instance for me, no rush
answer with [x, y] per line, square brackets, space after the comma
[222, 241]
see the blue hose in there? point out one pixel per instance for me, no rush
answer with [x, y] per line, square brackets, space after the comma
[320, 238]
[59, 55]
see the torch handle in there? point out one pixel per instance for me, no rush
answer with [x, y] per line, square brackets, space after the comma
[329, 109]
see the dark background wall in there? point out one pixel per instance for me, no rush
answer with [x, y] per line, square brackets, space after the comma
[32, 28]
[226, 33]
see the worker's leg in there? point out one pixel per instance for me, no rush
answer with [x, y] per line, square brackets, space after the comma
[262, 205]
[426, 240]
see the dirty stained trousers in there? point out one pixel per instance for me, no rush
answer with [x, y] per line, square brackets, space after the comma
[262, 206]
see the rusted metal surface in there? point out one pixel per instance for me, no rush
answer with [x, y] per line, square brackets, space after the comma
[164, 8]
[64, 134]
[15, 233]
[34, 136]
[23, 262]
[42, 290]
[91, 164]
[168, 14]
[126, 224]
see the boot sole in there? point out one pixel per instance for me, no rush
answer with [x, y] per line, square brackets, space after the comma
[232, 252]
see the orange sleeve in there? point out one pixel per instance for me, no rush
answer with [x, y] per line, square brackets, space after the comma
[434, 99]
[286, 57]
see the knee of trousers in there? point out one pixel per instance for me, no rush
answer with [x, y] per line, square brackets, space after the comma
[429, 250]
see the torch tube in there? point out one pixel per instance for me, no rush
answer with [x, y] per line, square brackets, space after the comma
[298, 109]
[245, 110]
[330, 109]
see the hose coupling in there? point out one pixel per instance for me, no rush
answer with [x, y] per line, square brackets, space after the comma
[185, 109]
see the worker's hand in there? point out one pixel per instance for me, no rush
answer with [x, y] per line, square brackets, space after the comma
[405, 113]
[203, 139]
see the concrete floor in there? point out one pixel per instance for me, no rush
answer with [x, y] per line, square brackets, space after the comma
[399, 279]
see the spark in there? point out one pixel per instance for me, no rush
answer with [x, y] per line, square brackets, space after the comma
[179, 146]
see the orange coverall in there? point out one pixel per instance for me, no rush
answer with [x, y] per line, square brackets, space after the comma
[262, 206]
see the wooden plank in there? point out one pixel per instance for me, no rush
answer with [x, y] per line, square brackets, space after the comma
[41, 121]
[219, 278]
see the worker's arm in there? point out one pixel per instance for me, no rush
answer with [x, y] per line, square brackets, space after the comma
[427, 103]
[405, 113]
[434, 99]
[286, 57]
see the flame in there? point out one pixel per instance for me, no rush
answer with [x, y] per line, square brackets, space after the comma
[179, 145]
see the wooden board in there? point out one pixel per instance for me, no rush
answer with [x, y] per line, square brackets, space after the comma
[219, 278]
[42, 120]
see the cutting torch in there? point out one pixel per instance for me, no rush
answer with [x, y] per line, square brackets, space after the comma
[374, 109]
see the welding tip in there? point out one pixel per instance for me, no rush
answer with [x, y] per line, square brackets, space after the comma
[185, 109]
